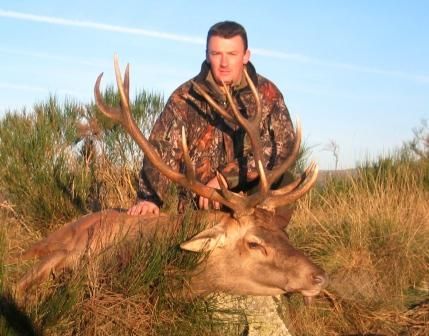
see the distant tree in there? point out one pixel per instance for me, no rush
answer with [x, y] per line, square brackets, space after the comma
[419, 145]
[334, 148]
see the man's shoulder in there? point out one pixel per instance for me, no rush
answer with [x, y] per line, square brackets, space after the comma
[177, 97]
[268, 89]
[182, 101]
[183, 88]
[264, 81]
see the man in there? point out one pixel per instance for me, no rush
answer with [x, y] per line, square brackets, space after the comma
[215, 144]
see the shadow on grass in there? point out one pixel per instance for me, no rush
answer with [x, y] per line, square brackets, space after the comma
[16, 321]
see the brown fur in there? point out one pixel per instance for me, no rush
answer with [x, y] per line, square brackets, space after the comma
[250, 255]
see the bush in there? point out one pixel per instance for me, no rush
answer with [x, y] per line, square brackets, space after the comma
[58, 163]
[35, 175]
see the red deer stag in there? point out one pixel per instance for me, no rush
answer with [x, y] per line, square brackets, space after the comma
[250, 253]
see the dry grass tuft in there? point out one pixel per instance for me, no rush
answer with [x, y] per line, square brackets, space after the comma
[110, 313]
[370, 232]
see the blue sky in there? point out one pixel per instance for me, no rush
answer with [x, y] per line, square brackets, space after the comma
[354, 72]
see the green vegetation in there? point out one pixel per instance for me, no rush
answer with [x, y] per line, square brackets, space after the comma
[369, 230]
[61, 161]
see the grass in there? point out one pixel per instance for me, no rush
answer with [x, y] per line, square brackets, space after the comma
[131, 289]
[369, 231]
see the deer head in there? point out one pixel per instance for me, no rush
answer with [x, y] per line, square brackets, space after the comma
[250, 252]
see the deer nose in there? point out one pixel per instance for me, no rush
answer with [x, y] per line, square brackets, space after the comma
[319, 279]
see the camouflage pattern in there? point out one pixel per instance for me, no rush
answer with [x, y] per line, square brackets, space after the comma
[215, 144]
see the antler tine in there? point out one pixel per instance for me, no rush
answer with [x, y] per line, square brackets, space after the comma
[211, 102]
[123, 92]
[123, 114]
[124, 117]
[110, 112]
[222, 183]
[252, 129]
[235, 198]
[126, 84]
[258, 116]
[289, 187]
[284, 196]
[190, 169]
[190, 174]
[275, 174]
[251, 123]
[296, 183]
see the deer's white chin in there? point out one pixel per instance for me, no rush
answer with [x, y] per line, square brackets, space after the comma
[309, 295]
[311, 292]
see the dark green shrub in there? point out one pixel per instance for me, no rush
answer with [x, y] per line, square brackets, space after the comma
[58, 160]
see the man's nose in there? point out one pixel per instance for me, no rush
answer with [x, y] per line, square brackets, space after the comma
[224, 61]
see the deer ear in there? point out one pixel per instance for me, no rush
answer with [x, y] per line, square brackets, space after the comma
[282, 217]
[206, 240]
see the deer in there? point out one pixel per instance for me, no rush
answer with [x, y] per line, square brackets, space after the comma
[248, 251]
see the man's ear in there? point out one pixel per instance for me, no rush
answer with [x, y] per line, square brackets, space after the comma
[207, 56]
[246, 57]
[206, 240]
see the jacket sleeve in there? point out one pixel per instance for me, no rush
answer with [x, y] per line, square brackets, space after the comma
[277, 139]
[165, 138]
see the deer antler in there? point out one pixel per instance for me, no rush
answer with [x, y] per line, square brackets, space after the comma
[264, 198]
[251, 126]
[122, 115]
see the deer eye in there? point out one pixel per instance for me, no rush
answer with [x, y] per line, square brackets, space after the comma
[253, 245]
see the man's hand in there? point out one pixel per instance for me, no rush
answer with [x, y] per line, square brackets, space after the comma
[143, 208]
[204, 203]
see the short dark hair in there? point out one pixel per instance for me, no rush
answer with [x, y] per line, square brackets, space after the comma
[227, 29]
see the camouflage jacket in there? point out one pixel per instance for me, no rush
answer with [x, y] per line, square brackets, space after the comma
[215, 144]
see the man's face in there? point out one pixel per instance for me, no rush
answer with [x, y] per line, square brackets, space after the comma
[227, 58]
